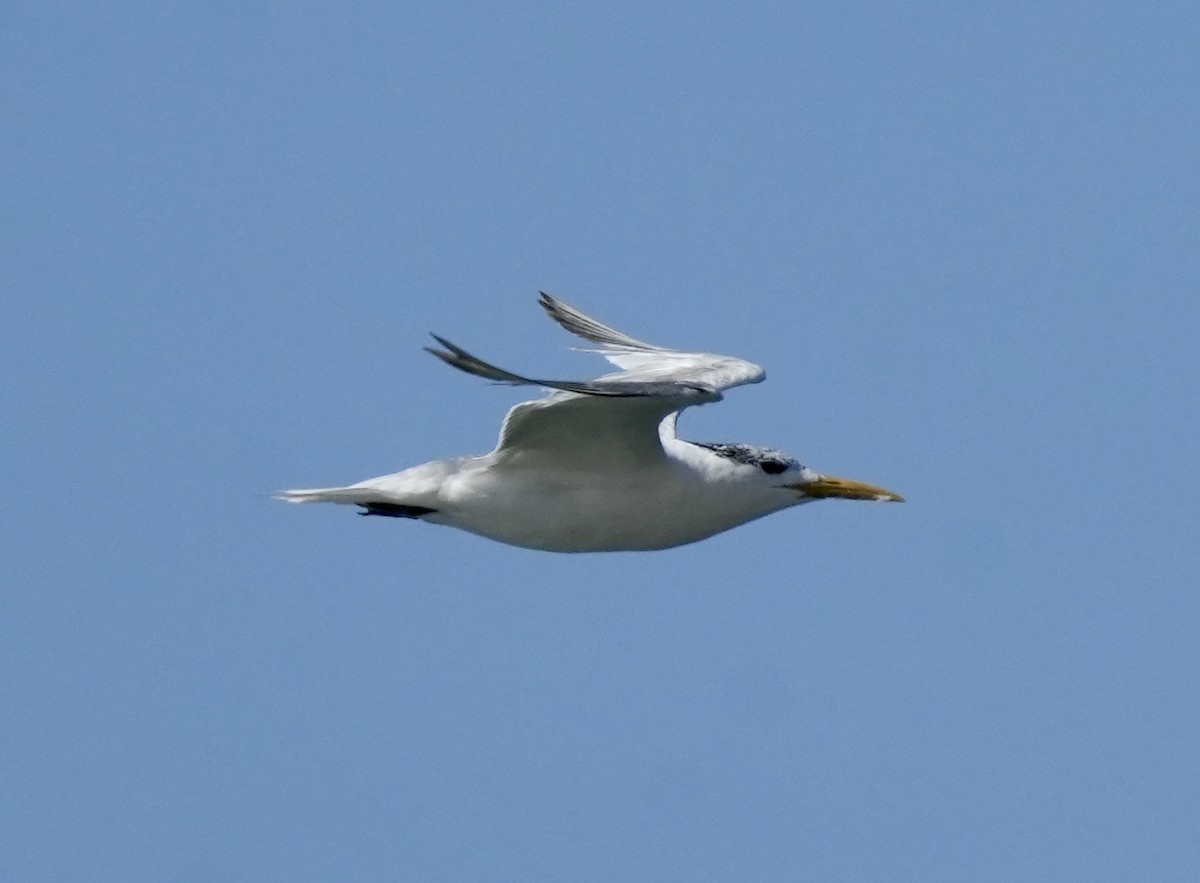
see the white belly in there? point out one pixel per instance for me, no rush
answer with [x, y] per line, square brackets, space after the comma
[569, 511]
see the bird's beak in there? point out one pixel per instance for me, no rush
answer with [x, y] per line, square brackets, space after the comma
[846, 488]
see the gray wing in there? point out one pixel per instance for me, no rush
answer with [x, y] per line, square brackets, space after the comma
[613, 419]
[613, 385]
[587, 327]
[641, 361]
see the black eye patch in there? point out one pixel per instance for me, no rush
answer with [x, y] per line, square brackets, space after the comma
[770, 461]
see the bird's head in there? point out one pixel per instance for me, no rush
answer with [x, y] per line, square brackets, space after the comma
[772, 469]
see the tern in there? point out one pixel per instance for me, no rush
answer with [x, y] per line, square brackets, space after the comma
[596, 466]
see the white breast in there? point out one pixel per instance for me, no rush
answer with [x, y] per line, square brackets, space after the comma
[568, 510]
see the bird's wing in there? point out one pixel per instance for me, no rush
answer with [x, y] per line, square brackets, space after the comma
[614, 419]
[641, 361]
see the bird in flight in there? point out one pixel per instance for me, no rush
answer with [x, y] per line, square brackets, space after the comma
[595, 465]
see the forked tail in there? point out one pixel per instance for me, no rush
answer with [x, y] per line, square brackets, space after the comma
[359, 495]
[374, 501]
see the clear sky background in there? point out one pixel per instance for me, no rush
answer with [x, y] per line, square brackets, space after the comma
[963, 239]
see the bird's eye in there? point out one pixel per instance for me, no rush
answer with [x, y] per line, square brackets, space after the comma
[772, 467]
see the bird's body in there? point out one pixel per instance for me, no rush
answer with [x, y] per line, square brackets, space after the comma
[563, 508]
[596, 466]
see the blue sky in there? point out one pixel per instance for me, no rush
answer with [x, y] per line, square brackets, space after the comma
[962, 238]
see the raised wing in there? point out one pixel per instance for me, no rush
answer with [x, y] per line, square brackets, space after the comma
[612, 385]
[643, 361]
[614, 418]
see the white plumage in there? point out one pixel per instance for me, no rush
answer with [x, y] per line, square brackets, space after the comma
[596, 466]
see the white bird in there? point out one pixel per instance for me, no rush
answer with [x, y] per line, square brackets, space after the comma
[595, 466]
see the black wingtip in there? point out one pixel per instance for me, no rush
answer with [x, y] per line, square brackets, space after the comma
[456, 350]
[395, 510]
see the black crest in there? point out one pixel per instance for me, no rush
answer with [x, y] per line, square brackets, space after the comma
[769, 461]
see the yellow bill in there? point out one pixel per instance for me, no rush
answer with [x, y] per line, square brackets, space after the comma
[827, 486]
